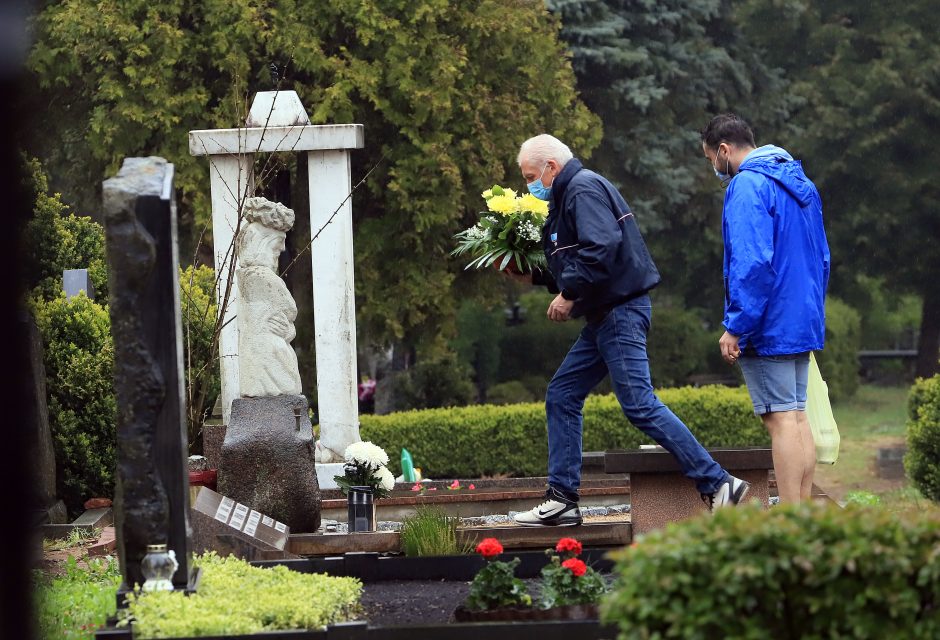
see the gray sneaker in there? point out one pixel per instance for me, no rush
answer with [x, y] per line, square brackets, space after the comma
[731, 492]
[551, 513]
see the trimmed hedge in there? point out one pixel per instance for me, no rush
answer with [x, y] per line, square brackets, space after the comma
[483, 440]
[922, 461]
[795, 571]
[838, 361]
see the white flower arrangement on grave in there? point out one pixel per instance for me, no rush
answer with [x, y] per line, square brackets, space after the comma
[366, 466]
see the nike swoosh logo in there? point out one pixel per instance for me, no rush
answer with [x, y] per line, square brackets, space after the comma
[544, 513]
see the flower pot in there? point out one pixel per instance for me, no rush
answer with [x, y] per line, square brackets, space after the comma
[361, 509]
[567, 612]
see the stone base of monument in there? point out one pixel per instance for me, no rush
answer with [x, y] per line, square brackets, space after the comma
[267, 460]
[325, 473]
[230, 528]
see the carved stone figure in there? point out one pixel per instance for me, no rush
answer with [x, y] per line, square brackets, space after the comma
[266, 312]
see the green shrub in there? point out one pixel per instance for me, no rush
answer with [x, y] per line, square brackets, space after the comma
[512, 392]
[838, 361]
[536, 346]
[489, 440]
[922, 461]
[79, 363]
[237, 598]
[56, 241]
[678, 345]
[73, 606]
[431, 532]
[795, 571]
[437, 382]
[203, 382]
[477, 342]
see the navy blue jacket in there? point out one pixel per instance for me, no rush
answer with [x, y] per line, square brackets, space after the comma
[776, 264]
[594, 249]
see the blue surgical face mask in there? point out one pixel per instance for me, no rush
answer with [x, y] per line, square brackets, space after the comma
[724, 176]
[539, 190]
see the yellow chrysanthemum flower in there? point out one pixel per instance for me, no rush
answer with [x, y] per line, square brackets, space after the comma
[487, 194]
[509, 192]
[528, 202]
[503, 205]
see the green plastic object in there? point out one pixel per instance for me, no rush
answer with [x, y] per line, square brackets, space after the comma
[407, 466]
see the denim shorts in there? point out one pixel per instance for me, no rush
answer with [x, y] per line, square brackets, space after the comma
[776, 383]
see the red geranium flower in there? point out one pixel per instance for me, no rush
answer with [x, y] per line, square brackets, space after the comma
[568, 545]
[577, 567]
[489, 548]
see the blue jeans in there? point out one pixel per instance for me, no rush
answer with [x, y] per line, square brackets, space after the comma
[617, 345]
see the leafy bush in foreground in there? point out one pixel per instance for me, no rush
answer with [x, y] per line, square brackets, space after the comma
[793, 572]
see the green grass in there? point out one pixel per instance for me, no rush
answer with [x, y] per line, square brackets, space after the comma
[874, 417]
[431, 532]
[75, 538]
[873, 411]
[73, 606]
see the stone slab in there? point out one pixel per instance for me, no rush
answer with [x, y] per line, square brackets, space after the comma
[268, 464]
[660, 461]
[511, 537]
[325, 473]
[76, 280]
[213, 435]
[659, 498]
[105, 545]
[889, 463]
[225, 526]
[95, 518]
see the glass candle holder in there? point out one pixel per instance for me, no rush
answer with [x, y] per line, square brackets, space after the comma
[158, 567]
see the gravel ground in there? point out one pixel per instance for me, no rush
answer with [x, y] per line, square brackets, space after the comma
[409, 602]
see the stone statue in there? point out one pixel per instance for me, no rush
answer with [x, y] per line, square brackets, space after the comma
[266, 310]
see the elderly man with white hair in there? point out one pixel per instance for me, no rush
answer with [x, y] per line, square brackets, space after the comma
[601, 270]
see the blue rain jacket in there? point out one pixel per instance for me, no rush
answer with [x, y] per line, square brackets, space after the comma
[776, 263]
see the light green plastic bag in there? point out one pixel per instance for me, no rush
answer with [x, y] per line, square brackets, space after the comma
[819, 413]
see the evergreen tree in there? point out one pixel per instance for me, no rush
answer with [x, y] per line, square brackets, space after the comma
[867, 133]
[655, 72]
[446, 90]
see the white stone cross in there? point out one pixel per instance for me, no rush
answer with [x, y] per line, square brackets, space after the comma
[278, 122]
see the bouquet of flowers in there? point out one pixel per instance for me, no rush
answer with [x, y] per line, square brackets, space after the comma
[567, 580]
[365, 466]
[509, 233]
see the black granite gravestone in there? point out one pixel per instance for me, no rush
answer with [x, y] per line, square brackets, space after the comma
[152, 488]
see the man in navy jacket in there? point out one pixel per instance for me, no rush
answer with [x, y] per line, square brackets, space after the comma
[601, 270]
[776, 269]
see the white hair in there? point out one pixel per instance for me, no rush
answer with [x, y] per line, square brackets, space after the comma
[542, 148]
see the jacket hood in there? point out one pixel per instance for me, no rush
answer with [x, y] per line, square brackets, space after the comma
[776, 163]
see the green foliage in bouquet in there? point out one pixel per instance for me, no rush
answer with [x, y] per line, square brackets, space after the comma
[509, 231]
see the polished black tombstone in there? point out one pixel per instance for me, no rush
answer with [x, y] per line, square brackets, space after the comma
[152, 488]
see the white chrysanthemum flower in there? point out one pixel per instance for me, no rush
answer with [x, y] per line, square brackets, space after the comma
[366, 453]
[386, 479]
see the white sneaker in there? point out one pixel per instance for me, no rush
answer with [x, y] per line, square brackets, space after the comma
[730, 493]
[551, 513]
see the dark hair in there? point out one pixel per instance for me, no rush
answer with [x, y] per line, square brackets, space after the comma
[727, 128]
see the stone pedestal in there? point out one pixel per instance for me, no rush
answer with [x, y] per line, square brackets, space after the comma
[267, 463]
